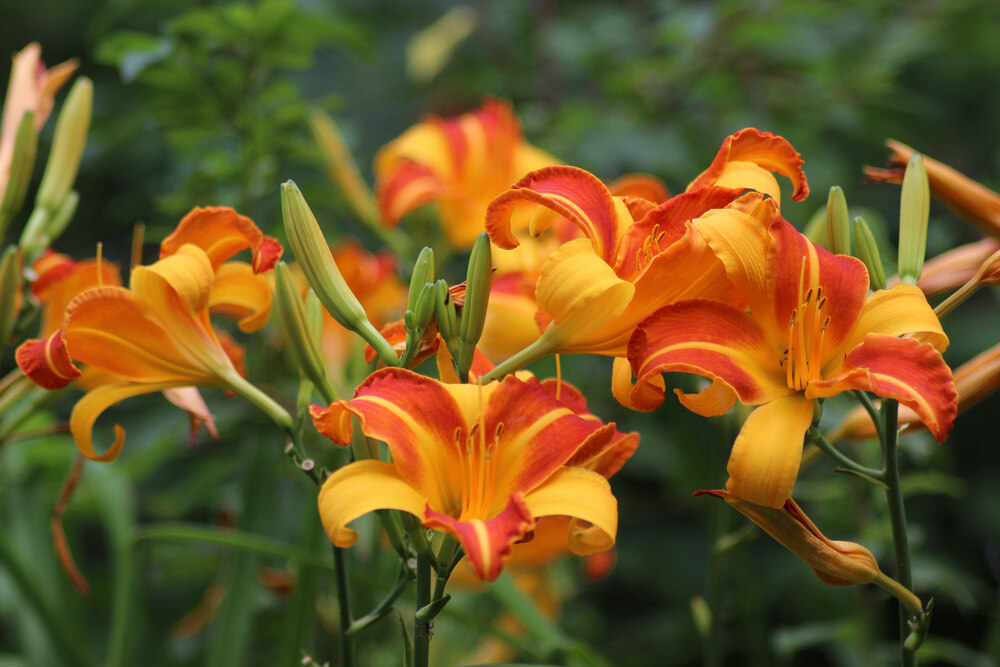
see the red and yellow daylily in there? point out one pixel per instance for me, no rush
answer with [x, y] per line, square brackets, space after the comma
[461, 163]
[811, 331]
[156, 335]
[32, 87]
[634, 257]
[481, 462]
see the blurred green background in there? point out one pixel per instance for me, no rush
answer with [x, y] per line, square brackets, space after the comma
[200, 103]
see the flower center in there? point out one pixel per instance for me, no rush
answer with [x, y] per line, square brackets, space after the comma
[806, 332]
[479, 472]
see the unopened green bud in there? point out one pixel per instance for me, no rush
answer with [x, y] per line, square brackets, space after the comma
[478, 282]
[314, 256]
[22, 163]
[914, 206]
[838, 225]
[428, 612]
[867, 251]
[815, 229]
[61, 217]
[423, 272]
[298, 332]
[444, 313]
[415, 321]
[67, 145]
[10, 287]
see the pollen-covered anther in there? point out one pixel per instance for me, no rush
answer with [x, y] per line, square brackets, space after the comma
[806, 332]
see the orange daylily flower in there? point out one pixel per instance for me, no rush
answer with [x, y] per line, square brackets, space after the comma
[971, 201]
[836, 563]
[32, 87]
[635, 257]
[481, 462]
[811, 332]
[461, 163]
[60, 278]
[156, 335]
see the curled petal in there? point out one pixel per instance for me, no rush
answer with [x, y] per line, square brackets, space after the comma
[714, 340]
[240, 293]
[222, 232]
[572, 193]
[894, 312]
[486, 542]
[586, 496]
[47, 362]
[640, 396]
[359, 488]
[903, 369]
[89, 408]
[768, 450]
[746, 159]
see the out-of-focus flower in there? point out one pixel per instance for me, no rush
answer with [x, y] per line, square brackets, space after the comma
[971, 201]
[811, 332]
[461, 163]
[835, 562]
[481, 462]
[156, 335]
[954, 268]
[32, 87]
[635, 257]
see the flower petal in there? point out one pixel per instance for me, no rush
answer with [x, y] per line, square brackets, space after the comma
[89, 408]
[586, 496]
[47, 362]
[642, 186]
[241, 294]
[711, 339]
[573, 193]
[222, 232]
[582, 294]
[418, 418]
[407, 187]
[903, 369]
[746, 159]
[486, 542]
[900, 310]
[640, 396]
[359, 488]
[510, 318]
[768, 450]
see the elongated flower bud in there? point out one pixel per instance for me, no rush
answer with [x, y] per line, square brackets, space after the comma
[295, 323]
[21, 165]
[478, 282]
[838, 225]
[446, 317]
[342, 168]
[10, 289]
[867, 251]
[423, 272]
[914, 206]
[67, 145]
[313, 253]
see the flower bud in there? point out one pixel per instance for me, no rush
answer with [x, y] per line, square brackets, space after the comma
[867, 251]
[295, 323]
[67, 146]
[478, 282]
[423, 272]
[10, 292]
[342, 168]
[22, 164]
[446, 317]
[838, 225]
[313, 254]
[914, 205]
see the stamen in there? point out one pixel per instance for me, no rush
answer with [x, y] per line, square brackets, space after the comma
[98, 261]
[558, 378]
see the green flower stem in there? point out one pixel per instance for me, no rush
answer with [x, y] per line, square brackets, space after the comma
[533, 352]
[260, 400]
[897, 516]
[817, 439]
[20, 575]
[403, 580]
[378, 342]
[873, 412]
[344, 601]
[422, 629]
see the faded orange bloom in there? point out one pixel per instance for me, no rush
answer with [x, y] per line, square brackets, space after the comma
[835, 562]
[32, 87]
[971, 201]
[461, 163]
[954, 268]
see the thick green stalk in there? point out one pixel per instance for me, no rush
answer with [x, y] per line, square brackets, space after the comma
[897, 516]
[422, 629]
